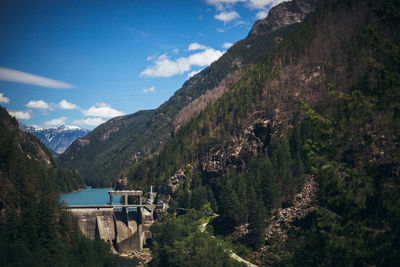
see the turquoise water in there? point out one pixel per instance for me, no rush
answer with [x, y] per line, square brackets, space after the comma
[90, 196]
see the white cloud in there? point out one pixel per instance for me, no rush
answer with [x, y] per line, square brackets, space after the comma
[227, 45]
[240, 23]
[56, 122]
[261, 14]
[214, 2]
[227, 16]
[175, 50]
[90, 121]
[191, 74]
[20, 115]
[261, 4]
[40, 104]
[102, 110]
[148, 58]
[222, 4]
[4, 99]
[102, 104]
[196, 46]
[64, 104]
[10, 75]
[165, 67]
[151, 89]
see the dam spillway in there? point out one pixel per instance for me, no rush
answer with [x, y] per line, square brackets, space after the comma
[124, 226]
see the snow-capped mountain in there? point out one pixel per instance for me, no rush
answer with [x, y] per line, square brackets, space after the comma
[56, 139]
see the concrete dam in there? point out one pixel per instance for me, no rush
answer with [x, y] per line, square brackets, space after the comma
[125, 226]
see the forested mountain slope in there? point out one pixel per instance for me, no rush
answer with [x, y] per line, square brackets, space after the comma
[322, 107]
[34, 231]
[120, 142]
[27, 148]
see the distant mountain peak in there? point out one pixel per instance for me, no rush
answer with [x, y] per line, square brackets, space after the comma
[56, 139]
[69, 128]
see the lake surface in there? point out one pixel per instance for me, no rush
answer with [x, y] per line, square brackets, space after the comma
[90, 196]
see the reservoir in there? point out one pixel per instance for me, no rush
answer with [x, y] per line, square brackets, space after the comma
[89, 196]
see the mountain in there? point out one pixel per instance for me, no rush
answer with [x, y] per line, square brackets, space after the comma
[29, 146]
[122, 141]
[299, 156]
[34, 230]
[292, 158]
[56, 139]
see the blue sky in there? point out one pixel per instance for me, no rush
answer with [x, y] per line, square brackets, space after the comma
[83, 62]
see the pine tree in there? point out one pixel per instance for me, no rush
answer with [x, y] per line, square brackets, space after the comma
[256, 220]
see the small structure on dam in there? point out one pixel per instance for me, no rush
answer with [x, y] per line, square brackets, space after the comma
[125, 226]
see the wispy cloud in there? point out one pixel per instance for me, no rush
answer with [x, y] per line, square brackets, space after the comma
[64, 104]
[102, 110]
[4, 99]
[147, 90]
[253, 4]
[90, 121]
[56, 122]
[223, 4]
[142, 34]
[227, 16]
[196, 46]
[262, 4]
[20, 115]
[17, 76]
[40, 104]
[165, 67]
[227, 45]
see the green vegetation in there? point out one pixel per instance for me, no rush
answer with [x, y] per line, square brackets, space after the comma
[108, 148]
[34, 231]
[179, 242]
[131, 137]
[345, 133]
[331, 92]
[354, 156]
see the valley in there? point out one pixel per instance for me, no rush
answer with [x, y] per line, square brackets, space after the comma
[284, 152]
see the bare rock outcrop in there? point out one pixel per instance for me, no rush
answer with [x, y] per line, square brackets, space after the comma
[218, 157]
[168, 188]
[284, 14]
[280, 224]
[107, 133]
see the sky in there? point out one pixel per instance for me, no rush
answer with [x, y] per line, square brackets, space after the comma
[83, 62]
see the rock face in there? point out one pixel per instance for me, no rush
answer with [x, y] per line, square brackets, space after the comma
[168, 188]
[279, 224]
[284, 14]
[218, 157]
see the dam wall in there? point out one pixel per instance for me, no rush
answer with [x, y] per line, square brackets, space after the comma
[126, 228]
[92, 221]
